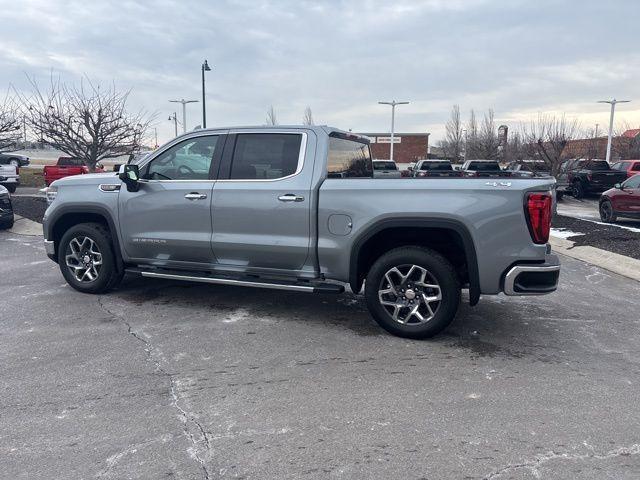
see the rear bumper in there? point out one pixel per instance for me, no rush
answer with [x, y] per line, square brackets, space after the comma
[533, 279]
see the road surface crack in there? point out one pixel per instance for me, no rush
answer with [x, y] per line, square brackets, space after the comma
[539, 460]
[186, 417]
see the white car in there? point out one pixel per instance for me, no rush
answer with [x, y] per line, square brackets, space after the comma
[10, 177]
[385, 169]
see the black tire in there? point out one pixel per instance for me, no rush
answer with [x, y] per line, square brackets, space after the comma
[107, 275]
[607, 214]
[11, 187]
[577, 190]
[437, 267]
[559, 196]
[6, 224]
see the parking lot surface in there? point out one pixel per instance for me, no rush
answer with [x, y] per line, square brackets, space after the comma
[175, 380]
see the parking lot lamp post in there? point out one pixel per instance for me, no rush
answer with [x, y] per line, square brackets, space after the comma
[174, 118]
[205, 68]
[393, 104]
[464, 153]
[184, 111]
[613, 109]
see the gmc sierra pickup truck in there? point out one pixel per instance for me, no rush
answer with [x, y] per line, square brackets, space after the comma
[298, 208]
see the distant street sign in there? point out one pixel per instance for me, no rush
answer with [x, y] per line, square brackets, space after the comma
[388, 140]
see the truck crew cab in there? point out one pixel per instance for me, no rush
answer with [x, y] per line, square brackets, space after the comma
[298, 208]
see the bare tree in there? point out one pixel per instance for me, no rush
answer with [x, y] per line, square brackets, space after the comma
[546, 138]
[515, 149]
[472, 150]
[271, 116]
[85, 122]
[453, 143]
[10, 124]
[307, 119]
[488, 141]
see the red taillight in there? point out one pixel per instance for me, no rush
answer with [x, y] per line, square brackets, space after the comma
[17, 169]
[538, 212]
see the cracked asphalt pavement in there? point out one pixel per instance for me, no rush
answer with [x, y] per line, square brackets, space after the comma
[163, 379]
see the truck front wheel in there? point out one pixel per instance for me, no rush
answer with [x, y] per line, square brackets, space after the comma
[412, 292]
[86, 258]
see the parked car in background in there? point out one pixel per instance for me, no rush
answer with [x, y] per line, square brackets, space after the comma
[409, 170]
[580, 177]
[483, 168]
[6, 209]
[9, 158]
[66, 167]
[435, 168]
[623, 200]
[10, 177]
[528, 168]
[632, 167]
[385, 169]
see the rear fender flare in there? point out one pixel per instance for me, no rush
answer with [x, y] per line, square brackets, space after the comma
[446, 224]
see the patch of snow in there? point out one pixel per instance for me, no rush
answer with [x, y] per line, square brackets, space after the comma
[564, 233]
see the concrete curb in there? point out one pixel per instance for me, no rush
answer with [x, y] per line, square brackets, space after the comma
[24, 226]
[620, 264]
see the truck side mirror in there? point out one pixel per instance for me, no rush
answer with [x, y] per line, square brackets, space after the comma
[618, 186]
[130, 175]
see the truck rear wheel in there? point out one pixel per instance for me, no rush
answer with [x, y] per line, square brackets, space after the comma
[412, 292]
[86, 258]
[577, 190]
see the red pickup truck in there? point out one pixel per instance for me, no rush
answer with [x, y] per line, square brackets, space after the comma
[65, 167]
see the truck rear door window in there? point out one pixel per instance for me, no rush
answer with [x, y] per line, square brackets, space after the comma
[265, 156]
[348, 159]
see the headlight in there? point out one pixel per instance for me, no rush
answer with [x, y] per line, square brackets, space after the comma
[52, 193]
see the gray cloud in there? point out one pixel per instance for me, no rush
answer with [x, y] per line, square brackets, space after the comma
[339, 57]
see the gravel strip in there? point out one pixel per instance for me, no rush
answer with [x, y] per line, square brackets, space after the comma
[29, 207]
[605, 237]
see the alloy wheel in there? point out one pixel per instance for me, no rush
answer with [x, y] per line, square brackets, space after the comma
[83, 259]
[410, 294]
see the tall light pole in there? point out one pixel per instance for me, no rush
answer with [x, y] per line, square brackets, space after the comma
[184, 111]
[205, 68]
[464, 134]
[174, 118]
[613, 109]
[393, 104]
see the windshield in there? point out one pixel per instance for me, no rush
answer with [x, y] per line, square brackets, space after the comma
[436, 166]
[384, 166]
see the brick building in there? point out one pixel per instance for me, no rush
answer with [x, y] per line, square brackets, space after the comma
[623, 147]
[407, 147]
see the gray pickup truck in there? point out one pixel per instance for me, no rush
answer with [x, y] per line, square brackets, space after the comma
[297, 208]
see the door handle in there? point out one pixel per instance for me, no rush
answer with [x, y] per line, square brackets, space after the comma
[290, 197]
[195, 196]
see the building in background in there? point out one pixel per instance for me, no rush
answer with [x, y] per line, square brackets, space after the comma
[407, 147]
[623, 147]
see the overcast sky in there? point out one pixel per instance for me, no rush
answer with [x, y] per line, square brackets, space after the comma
[340, 58]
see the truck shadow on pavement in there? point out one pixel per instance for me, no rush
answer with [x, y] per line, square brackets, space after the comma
[505, 323]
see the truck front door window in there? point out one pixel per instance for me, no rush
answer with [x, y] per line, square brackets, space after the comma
[188, 160]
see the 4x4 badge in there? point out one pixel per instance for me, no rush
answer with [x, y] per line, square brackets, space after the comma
[500, 184]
